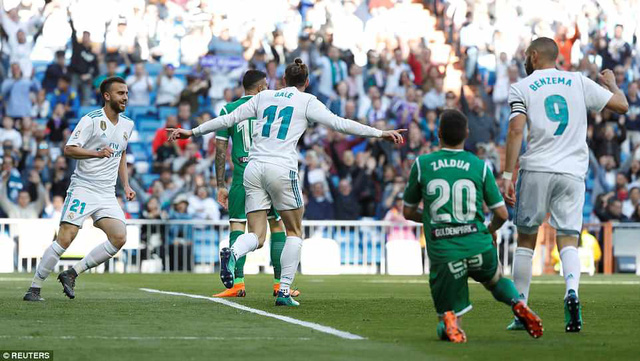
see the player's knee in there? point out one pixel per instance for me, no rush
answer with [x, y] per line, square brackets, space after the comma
[66, 235]
[118, 239]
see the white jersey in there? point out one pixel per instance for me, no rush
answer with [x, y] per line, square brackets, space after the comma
[555, 103]
[282, 116]
[95, 131]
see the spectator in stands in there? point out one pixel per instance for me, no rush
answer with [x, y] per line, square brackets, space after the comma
[225, 45]
[633, 115]
[54, 72]
[482, 127]
[20, 52]
[120, 41]
[366, 183]
[25, 208]
[399, 75]
[565, 44]
[272, 74]
[185, 116]
[610, 209]
[635, 217]
[434, 98]
[195, 88]
[202, 206]
[16, 92]
[391, 192]
[318, 206]
[53, 210]
[227, 97]
[61, 177]
[607, 141]
[333, 71]
[306, 51]
[111, 70]
[140, 86]
[84, 63]
[41, 107]
[347, 206]
[65, 95]
[632, 202]
[8, 133]
[401, 231]
[619, 50]
[57, 124]
[169, 87]
[337, 104]
[153, 234]
[180, 236]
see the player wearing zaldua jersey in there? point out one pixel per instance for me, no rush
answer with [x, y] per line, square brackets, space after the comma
[453, 185]
[99, 144]
[271, 177]
[553, 104]
[253, 82]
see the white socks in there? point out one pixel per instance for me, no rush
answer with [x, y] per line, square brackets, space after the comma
[570, 268]
[97, 256]
[290, 259]
[246, 243]
[49, 260]
[522, 270]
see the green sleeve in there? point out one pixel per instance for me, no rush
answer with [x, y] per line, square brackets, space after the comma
[223, 133]
[492, 196]
[412, 193]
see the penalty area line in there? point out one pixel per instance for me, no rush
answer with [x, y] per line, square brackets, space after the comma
[311, 325]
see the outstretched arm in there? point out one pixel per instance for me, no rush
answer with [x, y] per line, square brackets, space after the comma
[245, 111]
[317, 112]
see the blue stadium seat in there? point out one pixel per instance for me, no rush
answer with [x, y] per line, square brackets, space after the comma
[148, 179]
[153, 69]
[142, 111]
[164, 112]
[85, 109]
[139, 150]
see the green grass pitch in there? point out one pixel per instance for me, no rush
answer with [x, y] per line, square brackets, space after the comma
[112, 319]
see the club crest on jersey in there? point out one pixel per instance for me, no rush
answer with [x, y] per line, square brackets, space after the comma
[71, 215]
[76, 135]
[103, 125]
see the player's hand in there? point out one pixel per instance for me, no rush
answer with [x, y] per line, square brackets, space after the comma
[509, 192]
[178, 133]
[129, 193]
[608, 78]
[105, 153]
[394, 136]
[494, 235]
[223, 197]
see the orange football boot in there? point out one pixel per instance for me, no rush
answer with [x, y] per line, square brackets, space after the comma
[236, 291]
[453, 331]
[292, 293]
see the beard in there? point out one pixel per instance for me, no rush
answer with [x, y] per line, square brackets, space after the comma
[115, 106]
[528, 67]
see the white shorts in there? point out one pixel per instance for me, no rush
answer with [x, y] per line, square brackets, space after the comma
[270, 184]
[82, 202]
[540, 193]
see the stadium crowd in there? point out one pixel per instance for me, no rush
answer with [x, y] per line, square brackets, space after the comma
[382, 62]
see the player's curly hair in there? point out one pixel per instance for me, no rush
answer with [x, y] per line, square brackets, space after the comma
[296, 73]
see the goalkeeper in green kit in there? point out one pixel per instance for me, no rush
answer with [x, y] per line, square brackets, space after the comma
[253, 82]
[452, 185]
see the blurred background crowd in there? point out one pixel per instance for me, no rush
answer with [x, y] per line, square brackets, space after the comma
[386, 63]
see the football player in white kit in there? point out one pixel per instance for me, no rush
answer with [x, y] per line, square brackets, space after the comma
[271, 177]
[99, 144]
[551, 179]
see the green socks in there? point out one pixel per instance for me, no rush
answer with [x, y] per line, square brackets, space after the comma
[239, 272]
[505, 291]
[277, 245]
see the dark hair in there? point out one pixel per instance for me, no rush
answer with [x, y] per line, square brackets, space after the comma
[105, 86]
[66, 78]
[59, 53]
[453, 127]
[546, 48]
[296, 73]
[251, 78]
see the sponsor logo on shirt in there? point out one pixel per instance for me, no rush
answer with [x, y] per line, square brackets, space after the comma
[456, 231]
[243, 159]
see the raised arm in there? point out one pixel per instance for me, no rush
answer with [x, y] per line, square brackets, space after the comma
[617, 102]
[318, 113]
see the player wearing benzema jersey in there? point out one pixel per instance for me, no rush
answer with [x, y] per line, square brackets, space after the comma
[253, 82]
[271, 177]
[99, 144]
[453, 185]
[553, 104]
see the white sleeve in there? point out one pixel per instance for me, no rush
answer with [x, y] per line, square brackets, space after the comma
[245, 111]
[516, 102]
[596, 97]
[318, 113]
[82, 133]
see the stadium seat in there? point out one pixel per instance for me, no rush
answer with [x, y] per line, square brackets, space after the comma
[404, 258]
[142, 111]
[320, 256]
[153, 69]
[164, 112]
[148, 179]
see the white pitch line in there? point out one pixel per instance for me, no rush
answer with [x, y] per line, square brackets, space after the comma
[4, 279]
[551, 282]
[155, 338]
[311, 325]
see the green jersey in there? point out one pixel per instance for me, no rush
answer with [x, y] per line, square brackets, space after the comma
[240, 135]
[453, 184]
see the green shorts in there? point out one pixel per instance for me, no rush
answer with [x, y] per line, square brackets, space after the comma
[236, 204]
[448, 281]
